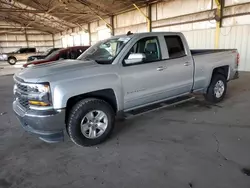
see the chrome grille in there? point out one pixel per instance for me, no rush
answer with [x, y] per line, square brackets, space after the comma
[21, 87]
[21, 95]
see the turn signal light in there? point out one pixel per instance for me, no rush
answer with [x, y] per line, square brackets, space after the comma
[38, 103]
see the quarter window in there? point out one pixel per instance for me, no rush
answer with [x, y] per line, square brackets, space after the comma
[175, 46]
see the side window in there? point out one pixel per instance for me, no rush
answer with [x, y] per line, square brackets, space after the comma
[31, 50]
[79, 52]
[23, 50]
[72, 54]
[63, 55]
[148, 46]
[175, 46]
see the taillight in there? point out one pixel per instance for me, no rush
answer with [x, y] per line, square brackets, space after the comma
[238, 59]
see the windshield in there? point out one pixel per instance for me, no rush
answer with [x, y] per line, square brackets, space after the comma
[104, 52]
[47, 52]
[53, 54]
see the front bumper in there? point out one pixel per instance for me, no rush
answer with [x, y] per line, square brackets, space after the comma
[47, 124]
[3, 57]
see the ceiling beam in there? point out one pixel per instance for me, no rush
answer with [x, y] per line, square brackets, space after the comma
[39, 18]
[95, 7]
[38, 11]
[15, 19]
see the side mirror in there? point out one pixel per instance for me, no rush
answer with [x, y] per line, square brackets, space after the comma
[135, 58]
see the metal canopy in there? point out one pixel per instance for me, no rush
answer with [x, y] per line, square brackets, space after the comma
[54, 16]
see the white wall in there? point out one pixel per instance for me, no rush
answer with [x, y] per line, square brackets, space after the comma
[13, 41]
[192, 17]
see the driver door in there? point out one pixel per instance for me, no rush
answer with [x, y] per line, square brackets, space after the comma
[144, 82]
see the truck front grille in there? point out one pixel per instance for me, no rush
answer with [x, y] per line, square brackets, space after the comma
[21, 95]
[21, 87]
[22, 100]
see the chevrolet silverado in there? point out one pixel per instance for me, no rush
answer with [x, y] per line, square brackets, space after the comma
[113, 77]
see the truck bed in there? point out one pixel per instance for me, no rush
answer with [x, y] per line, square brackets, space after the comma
[208, 51]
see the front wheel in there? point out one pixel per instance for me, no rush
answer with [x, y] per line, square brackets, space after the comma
[12, 60]
[217, 89]
[90, 122]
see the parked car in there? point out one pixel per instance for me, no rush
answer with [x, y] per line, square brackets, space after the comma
[66, 53]
[113, 77]
[42, 56]
[19, 55]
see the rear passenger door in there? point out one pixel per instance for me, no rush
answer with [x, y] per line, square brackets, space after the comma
[179, 65]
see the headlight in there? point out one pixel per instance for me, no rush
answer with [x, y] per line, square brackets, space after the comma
[38, 88]
[39, 94]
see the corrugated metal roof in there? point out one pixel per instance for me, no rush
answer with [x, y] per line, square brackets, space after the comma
[58, 15]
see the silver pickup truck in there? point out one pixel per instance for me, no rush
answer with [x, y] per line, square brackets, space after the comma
[113, 77]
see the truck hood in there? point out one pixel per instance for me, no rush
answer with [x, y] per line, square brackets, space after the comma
[34, 74]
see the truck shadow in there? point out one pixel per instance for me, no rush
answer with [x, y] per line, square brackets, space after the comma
[198, 104]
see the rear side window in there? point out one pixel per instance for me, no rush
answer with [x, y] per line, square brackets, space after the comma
[175, 46]
[23, 50]
[31, 50]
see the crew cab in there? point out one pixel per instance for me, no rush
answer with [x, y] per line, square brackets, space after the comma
[113, 77]
[20, 55]
[60, 54]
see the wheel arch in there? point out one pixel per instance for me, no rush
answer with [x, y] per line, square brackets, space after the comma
[12, 57]
[108, 95]
[223, 70]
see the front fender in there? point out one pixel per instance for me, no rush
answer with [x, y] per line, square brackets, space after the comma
[62, 91]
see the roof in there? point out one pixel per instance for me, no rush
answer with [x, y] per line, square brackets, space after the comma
[147, 33]
[54, 16]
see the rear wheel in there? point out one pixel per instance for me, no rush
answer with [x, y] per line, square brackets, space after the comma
[90, 122]
[12, 60]
[217, 89]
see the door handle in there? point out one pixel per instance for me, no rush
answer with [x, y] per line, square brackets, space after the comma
[161, 68]
[186, 64]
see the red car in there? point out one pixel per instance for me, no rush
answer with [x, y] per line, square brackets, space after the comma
[65, 53]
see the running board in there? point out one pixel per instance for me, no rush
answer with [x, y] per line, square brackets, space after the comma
[157, 106]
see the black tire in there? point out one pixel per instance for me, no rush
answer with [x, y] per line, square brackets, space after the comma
[210, 96]
[78, 112]
[12, 60]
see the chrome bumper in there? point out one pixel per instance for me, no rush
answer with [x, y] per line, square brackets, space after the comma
[47, 124]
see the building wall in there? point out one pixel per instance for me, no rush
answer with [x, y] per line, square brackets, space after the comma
[195, 18]
[13, 41]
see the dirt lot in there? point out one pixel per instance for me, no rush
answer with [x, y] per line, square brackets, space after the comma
[191, 145]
